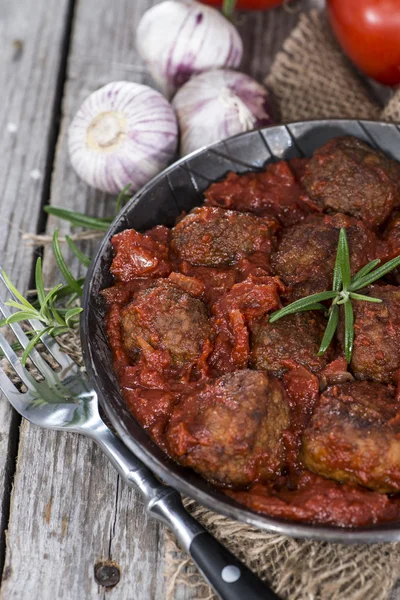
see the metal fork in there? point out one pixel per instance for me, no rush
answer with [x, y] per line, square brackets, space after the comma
[66, 401]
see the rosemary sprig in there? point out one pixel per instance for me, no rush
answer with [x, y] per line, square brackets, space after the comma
[123, 198]
[302, 305]
[56, 320]
[83, 259]
[78, 219]
[62, 265]
[344, 290]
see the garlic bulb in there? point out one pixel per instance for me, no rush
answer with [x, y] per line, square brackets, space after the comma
[123, 133]
[216, 105]
[179, 38]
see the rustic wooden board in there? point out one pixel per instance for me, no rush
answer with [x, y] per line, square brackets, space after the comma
[32, 48]
[69, 509]
[79, 513]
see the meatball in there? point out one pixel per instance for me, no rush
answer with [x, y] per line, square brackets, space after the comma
[376, 348]
[392, 238]
[140, 254]
[353, 436]
[392, 232]
[275, 192]
[306, 253]
[215, 237]
[346, 175]
[230, 431]
[295, 338]
[166, 318]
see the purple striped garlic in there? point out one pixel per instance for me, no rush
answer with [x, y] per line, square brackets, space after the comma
[216, 105]
[180, 38]
[123, 133]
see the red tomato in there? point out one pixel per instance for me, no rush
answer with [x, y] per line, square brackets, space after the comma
[369, 33]
[248, 4]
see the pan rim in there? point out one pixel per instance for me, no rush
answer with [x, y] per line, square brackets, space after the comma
[213, 499]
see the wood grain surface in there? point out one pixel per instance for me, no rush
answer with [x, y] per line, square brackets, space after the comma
[80, 515]
[32, 42]
[69, 512]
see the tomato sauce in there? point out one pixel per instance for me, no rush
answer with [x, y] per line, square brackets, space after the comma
[154, 382]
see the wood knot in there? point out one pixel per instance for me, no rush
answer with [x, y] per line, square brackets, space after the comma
[6, 573]
[18, 48]
[107, 573]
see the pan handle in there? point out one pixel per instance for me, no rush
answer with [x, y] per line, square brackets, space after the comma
[225, 573]
[229, 577]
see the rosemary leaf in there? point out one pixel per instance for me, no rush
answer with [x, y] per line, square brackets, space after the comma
[16, 317]
[363, 297]
[121, 197]
[83, 259]
[53, 293]
[302, 304]
[66, 290]
[16, 346]
[330, 330]
[39, 281]
[31, 309]
[344, 259]
[45, 306]
[315, 306]
[365, 270]
[71, 300]
[62, 265]
[337, 272]
[16, 293]
[59, 330]
[36, 338]
[348, 330]
[71, 313]
[56, 314]
[62, 311]
[376, 274]
[78, 219]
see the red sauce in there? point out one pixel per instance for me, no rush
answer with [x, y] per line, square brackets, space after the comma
[153, 384]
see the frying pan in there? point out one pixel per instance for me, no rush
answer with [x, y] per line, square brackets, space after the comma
[180, 188]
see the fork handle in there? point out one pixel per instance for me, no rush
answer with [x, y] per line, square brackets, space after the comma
[229, 577]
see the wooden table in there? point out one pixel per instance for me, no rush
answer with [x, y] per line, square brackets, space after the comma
[63, 509]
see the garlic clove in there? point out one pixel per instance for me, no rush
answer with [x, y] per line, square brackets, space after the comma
[179, 38]
[123, 133]
[216, 105]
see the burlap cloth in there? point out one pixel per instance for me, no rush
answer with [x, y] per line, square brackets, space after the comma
[311, 79]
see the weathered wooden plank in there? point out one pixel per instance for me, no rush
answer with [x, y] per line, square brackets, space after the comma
[32, 43]
[66, 517]
[80, 513]
[9, 423]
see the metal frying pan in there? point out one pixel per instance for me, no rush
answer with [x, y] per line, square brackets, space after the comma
[179, 188]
